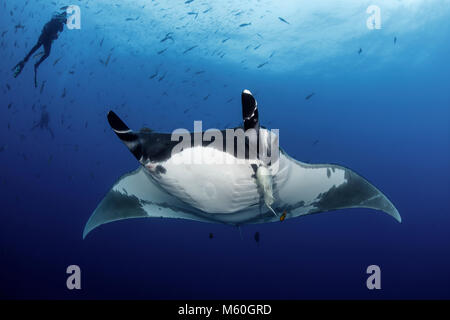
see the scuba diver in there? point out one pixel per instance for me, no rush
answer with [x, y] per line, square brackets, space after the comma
[48, 34]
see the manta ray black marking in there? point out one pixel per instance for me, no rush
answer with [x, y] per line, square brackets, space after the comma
[250, 191]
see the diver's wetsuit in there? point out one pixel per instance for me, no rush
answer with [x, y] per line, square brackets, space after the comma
[48, 34]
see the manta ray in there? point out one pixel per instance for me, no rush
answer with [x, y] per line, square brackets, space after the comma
[242, 188]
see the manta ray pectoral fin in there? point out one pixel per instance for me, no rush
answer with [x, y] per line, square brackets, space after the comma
[309, 189]
[249, 111]
[135, 195]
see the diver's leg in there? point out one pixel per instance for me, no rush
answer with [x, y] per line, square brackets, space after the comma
[47, 48]
[33, 50]
[19, 67]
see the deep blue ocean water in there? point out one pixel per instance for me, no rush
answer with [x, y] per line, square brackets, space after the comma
[384, 112]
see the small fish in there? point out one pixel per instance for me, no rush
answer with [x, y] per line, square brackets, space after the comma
[200, 72]
[162, 51]
[153, 75]
[191, 48]
[245, 25]
[107, 60]
[8, 87]
[283, 20]
[56, 61]
[211, 236]
[283, 216]
[309, 96]
[262, 64]
[257, 47]
[162, 77]
[167, 37]
[315, 142]
[193, 13]
[360, 50]
[207, 10]
[395, 40]
[225, 40]
[188, 1]
[256, 237]
[19, 26]
[229, 100]
[64, 93]
[10, 105]
[42, 86]
[206, 98]
[86, 125]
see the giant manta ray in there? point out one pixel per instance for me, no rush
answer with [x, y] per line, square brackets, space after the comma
[253, 190]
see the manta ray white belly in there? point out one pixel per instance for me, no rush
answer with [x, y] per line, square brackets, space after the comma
[208, 179]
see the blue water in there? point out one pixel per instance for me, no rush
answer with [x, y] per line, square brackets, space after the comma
[385, 113]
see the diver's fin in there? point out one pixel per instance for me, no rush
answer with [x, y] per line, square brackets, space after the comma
[249, 111]
[128, 137]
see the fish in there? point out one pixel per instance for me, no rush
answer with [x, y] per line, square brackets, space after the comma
[245, 25]
[360, 50]
[283, 20]
[262, 64]
[193, 14]
[167, 184]
[395, 40]
[162, 51]
[162, 77]
[283, 216]
[153, 75]
[256, 237]
[167, 37]
[42, 86]
[211, 236]
[225, 40]
[56, 61]
[309, 96]
[19, 26]
[189, 49]
[188, 1]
